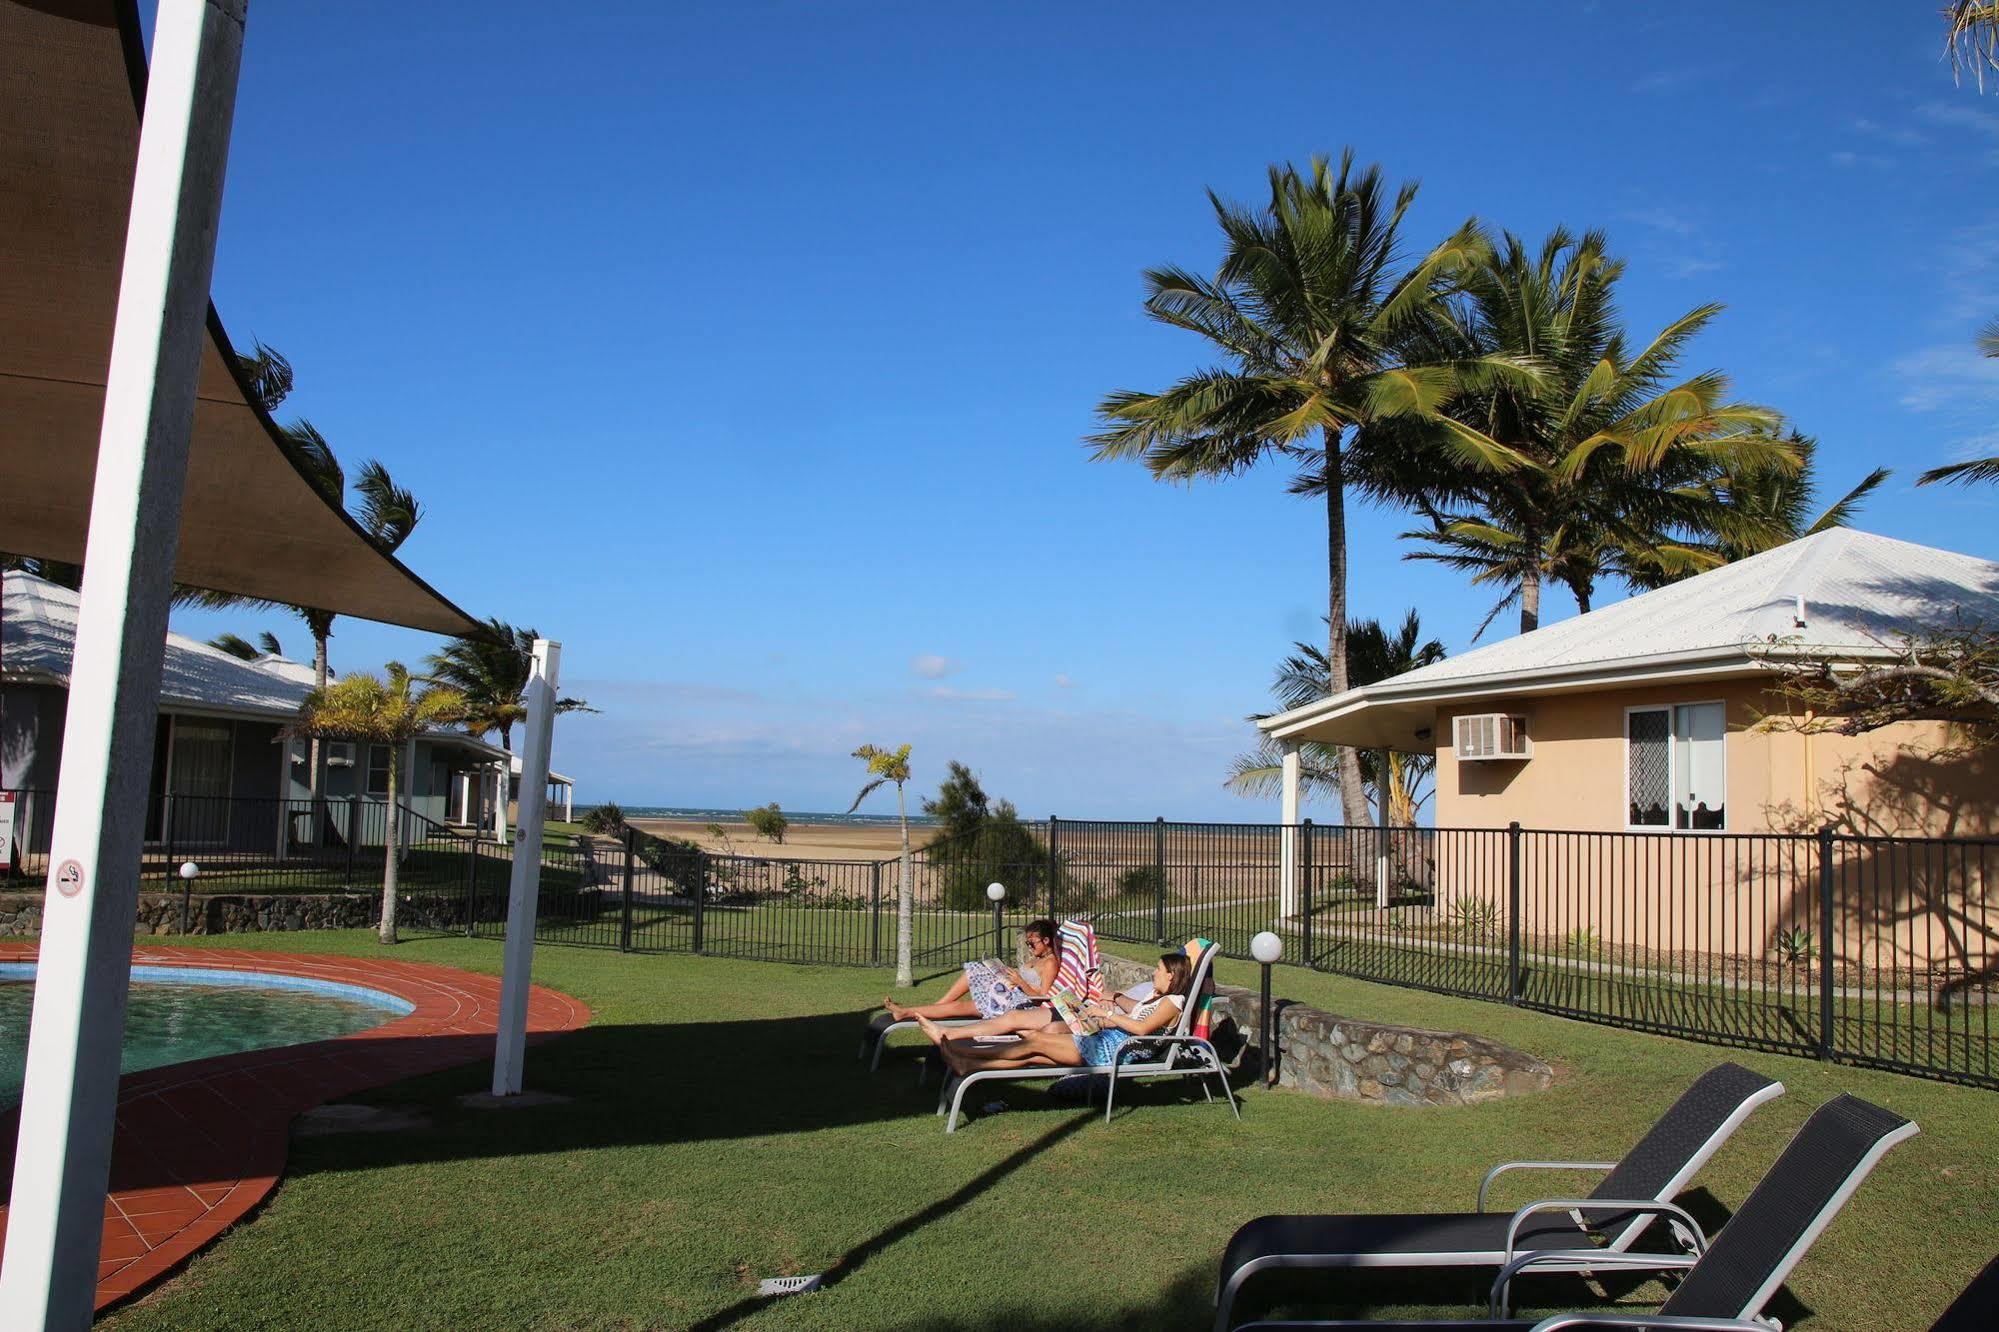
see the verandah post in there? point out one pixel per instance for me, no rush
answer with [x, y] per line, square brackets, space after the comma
[1513, 912]
[1825, 942]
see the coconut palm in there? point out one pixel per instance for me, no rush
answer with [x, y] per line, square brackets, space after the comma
[1972, 37]
[892, 765]
[1311, 313]
[389, 710]
[490, 670]
[267, 375]
[1372, 656]
[1974, 469]
[1613, 440]
[238, 646]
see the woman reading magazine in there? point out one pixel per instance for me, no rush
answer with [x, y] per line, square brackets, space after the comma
[1089, 1035]
[989, 988]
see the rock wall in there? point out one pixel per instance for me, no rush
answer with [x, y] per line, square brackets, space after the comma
[1329, 1055]
[248, 913]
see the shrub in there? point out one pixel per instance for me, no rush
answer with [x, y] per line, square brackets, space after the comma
[683, 864]
[607, 819]
[1581, 941]
[1002, 848]
[1475, 917]
[767, 822]
[1794, 947]
[1147, 881]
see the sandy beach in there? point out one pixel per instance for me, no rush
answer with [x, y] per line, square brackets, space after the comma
[802, 841]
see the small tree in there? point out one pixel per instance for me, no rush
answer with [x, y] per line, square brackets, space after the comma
[892, 765]
[767, 822]
[607, 819]
[368, 709]
[1950, 675]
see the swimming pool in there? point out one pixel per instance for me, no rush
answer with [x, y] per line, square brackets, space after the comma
[181, 1013]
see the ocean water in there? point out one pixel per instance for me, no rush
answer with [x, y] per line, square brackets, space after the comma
[703, 815]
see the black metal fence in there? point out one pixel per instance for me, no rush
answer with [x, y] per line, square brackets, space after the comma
[1871, 950]
[1868, 950]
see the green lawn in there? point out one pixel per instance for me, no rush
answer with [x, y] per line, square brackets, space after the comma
[721, 1130]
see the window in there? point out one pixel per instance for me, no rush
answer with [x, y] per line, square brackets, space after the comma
[378, 770]
[1675, 767]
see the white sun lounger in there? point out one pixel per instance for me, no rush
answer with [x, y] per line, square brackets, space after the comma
[1174, 1053]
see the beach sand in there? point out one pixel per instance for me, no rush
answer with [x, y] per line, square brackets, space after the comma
[802, 841]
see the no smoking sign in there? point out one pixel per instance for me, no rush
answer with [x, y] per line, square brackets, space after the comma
[69, 878]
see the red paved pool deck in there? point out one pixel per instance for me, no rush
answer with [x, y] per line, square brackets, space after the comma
[200, 1144]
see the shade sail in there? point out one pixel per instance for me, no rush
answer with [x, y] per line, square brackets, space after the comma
[72, 78]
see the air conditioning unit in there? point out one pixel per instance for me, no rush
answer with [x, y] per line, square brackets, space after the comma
[1491, 736]
[339, 753]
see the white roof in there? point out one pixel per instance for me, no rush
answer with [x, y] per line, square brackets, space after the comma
[1862, 594]
[38, 638]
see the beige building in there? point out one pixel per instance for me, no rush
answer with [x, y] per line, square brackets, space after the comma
[1642, 718]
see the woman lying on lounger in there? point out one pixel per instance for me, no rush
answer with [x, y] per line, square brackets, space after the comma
[989, 988]
[1122, 1018]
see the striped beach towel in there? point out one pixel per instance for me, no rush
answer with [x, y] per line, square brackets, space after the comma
[1080, 970]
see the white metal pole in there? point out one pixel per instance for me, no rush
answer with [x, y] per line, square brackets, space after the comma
[1287, 837]
[511, 1043]
[504, 769]
[69, 1099]
[1382, 758]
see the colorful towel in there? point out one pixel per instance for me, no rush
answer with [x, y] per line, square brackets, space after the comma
[1204, 1002]
[1080, 970]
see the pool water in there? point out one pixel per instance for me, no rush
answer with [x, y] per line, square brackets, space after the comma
[180, 1013]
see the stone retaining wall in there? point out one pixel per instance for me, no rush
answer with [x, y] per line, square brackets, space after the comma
[1328, 1055]
[253, 913]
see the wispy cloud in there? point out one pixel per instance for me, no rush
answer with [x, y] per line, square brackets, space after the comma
[1064, 682]
[947, 694]
[934, 666]
[1844, 158]
[1672, 77]
[1949, 375]
[1900, 135]
[1660, 219]
[1961, 116]
[1685, 268]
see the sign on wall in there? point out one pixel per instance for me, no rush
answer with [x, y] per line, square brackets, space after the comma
[7, 807]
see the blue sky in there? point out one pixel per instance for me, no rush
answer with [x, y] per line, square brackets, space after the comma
[747, 348]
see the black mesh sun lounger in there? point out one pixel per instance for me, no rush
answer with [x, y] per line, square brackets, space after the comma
[1727, 1282]
[1637, 1191]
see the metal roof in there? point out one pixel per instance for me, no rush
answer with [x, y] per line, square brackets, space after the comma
[1861, 593]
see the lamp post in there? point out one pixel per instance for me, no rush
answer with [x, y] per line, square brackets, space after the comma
[189, 872]
[1266, 948]
[996, 893]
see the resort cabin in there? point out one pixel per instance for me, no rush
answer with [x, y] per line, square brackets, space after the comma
[1671, 796]
[1644, 716]
[222, 775]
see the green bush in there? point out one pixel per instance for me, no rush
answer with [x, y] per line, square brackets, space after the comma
[767, 822]
[1002, 849]
[607, 819]
[1146, 881]
[683, 864]
[1475, 918]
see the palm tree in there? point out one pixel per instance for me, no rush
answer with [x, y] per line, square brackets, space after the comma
[892, 765]
[267, 374]
[490, 670]
[1609, 435]
[1372, 656]
[369, 709]
[1311, 318]
[1975, 469]
[238, 646]
[1972, 37]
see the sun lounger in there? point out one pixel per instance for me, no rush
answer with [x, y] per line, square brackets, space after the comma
[1654, 1171]
[1076, 968]
[1726, 1282]
[1173, 1053]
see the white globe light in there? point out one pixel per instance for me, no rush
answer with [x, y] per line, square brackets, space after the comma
[996, 892]
[1266, 947]
[188, 869]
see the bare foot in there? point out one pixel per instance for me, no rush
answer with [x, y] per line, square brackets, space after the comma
[895, 1010]
[932, 1030]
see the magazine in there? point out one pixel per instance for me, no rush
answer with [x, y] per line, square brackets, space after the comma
[1070, 1009]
